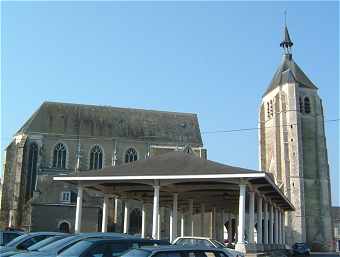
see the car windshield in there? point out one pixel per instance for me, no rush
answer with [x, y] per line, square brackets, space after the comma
[137, 253]
[59, 244]
[17, 240]
[76, 249]
[44, 242]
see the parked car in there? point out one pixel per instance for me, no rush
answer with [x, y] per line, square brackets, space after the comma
[176, 251]
[26, 240]
[59, 246]
[206, 242]
[107, 247]
[7, 236]
[35, 247]
[301, 249]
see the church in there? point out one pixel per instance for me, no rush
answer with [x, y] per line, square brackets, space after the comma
[60, 139]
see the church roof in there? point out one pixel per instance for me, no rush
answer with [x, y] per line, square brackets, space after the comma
[112, 122]
[289, 72]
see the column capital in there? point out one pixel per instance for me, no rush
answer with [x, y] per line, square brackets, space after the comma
[243, 182]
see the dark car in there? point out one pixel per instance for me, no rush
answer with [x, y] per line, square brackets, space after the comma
[176, 251]
[59, 246]
[26, 240]
[7, 236]
[35, 247]
[107, 247]
[301, 249]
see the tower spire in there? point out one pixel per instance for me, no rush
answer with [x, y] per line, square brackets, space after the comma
[286, 43]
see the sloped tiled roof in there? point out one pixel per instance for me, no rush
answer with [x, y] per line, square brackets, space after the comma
[289, 71]
[106, 121]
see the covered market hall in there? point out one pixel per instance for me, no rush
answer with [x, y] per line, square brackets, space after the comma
[189, 186]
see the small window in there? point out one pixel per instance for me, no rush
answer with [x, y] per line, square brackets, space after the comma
[59, 156]
[96, 158]
[300, 105]
[65, 197]
[131, 155]
[307, 105]
[271, 108]
[268, 111]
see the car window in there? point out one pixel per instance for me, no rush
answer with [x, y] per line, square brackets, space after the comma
[218, 244]
[17, 240]
[7, 237]
[44, 242]
[119, 248]
[31, 241]
[60, 243]
[203, 242]
[137, 253]
[77, 249]
[185, 241]
[169, 254]
[212, 254]
[97, 251]
[146, 243]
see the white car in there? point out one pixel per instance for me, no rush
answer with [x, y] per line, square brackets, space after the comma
[206, 242]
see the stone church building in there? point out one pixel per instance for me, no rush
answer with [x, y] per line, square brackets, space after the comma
[61, 138]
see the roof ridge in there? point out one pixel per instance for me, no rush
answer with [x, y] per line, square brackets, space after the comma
[117, 108]
[29, 121]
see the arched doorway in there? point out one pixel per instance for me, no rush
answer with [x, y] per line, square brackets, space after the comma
[135, 222]
[64, 227]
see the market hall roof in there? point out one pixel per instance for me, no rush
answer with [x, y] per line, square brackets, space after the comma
[112, 122]
[178, 167]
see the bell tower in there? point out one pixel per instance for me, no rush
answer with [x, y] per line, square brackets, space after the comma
[293, 148]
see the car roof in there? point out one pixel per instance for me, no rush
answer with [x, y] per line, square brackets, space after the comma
[136, 239]
[164, 248]
[121, 235]
[12, 231]
[194, 237]
[46, 233]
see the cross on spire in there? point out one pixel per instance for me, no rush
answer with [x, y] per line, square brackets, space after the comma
[286, 43]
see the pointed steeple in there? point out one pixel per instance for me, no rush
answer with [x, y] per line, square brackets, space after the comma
[286, 42]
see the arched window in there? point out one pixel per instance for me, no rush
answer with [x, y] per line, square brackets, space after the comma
[64, 227]
[131, 155]
[300, 105]
[31, 170]
[307, 105]
[96, 158]
[59, 156]
[135, 221]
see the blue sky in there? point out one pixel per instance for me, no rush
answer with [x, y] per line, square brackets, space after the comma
[211, 58]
